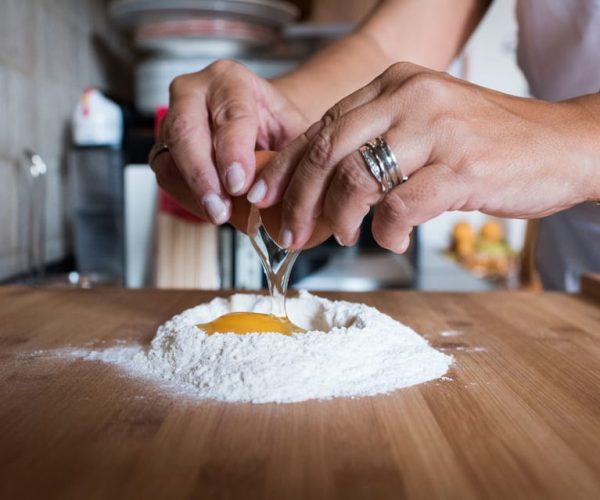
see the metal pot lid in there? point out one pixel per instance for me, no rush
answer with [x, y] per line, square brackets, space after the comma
[130, 13]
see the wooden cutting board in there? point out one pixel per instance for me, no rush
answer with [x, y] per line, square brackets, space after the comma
[520, 417]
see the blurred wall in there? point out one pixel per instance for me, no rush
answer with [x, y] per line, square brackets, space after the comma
[49, 51]
[339, 11]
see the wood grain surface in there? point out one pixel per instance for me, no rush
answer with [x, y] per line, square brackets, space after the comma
[520, 417]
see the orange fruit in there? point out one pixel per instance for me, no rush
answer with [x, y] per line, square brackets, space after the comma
[271, 216]
[492, 231]
[463, 231]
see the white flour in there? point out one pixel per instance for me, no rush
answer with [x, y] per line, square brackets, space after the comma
[363, 352]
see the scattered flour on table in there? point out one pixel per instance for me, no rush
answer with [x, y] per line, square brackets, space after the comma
[349, 350]
[450, 333]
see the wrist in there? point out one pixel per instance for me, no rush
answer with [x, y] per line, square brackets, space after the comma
[287, 85]
[333, 73]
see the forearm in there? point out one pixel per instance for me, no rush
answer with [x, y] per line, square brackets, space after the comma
[427, 32]
[585, 145]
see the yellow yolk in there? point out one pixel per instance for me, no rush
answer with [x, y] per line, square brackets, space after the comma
[249, 322]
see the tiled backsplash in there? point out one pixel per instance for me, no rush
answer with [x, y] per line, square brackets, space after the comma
[48, 55]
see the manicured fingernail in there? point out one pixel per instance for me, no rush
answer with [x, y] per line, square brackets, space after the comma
[402, 247]
[286, 238]
[258, 192]
[235, 178]
[215, 208]
[355, 237]
[339, 241]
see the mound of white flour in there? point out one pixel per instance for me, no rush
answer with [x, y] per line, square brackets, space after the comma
[348, 350]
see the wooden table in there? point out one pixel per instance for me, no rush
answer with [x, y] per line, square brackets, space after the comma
[519, 419]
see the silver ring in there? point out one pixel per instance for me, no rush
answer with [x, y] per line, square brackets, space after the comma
[382, 164]
[158, 149]
[389, 160]
[388, 174]
[372, 165]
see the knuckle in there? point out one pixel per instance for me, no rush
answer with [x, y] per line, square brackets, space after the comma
[323, 126]
[178, 128]
[392, 209]
[198, 179]
[179, 85]
[330, 116]
[471, 171]
[289, 210]
[230, 110]
[320, 149]
[397, 70]
[378, 84]
[223, 66]
[349, 177]
[427, 85]
[444, 120]
[361, 177]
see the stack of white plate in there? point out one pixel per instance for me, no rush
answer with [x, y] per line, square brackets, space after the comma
[154, 75]
[183, 36]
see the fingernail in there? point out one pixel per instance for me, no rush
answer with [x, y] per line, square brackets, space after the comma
[403, 246]
[286, 238]
[355, 237]
[339, 241]
[235, 178]
[258, 192]
[216, 208]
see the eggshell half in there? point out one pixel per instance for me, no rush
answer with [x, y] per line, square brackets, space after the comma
[271, 216]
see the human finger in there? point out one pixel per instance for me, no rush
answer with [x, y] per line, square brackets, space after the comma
[432, 190]
[233, 110]
[354, 189]
[187, 133]
[170, 179]
[302, 202]
[271, 183]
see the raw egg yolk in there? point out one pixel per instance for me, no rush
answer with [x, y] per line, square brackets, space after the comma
[249, 322]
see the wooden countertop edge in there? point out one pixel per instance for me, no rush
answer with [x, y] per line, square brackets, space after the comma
[590, 281]
[590, 286]
[590, 291]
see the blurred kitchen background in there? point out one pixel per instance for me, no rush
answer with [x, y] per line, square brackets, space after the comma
[81, 83]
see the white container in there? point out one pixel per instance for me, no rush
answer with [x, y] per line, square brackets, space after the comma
[154, 75]
[97, 121]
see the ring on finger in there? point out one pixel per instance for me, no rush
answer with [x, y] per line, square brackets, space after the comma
[382, 164]
[158, 149]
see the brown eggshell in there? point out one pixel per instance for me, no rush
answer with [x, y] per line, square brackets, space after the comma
[271, 216]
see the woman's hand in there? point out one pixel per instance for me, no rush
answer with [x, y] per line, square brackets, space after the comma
[464, 147]
[217, 118]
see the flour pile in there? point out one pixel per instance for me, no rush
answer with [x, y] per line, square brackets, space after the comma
[348, 350]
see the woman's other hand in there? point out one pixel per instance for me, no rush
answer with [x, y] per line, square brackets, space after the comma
[217, 118]
[464, 147]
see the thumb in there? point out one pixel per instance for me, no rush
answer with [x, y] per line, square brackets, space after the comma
[432, 190]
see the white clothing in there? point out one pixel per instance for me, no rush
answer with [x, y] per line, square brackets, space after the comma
[559, 53]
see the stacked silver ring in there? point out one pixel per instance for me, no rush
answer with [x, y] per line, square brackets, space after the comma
[382, 164]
